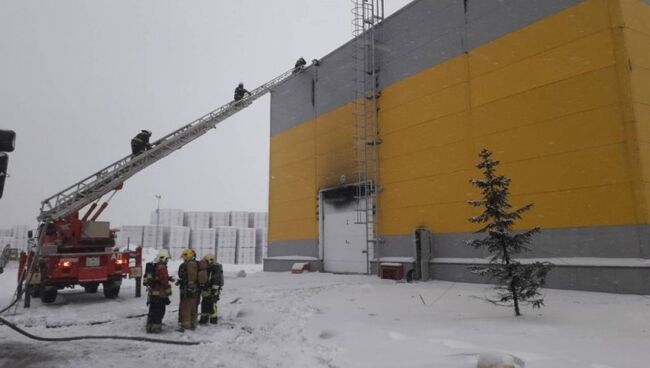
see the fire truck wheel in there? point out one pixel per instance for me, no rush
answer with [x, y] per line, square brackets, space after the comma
[91, 288]
[35, 291]
[48, 294]
[111, 290]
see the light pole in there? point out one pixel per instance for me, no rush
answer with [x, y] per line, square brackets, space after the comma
[158, 196]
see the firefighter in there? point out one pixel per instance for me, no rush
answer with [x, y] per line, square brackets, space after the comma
[189, 290]
[240, 92]
[140, 142]
[300, 64]
[210, 289]
[156, 279]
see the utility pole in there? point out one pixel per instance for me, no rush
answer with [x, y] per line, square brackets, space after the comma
[158, 196]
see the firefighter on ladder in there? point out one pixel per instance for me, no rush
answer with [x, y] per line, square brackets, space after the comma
[240, 92]
[188, 280]
[158, 291]
[212, 272]
[140, 142]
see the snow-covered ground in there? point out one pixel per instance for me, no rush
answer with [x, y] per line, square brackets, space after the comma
[325, 320]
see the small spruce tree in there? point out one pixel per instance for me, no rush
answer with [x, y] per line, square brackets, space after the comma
[517, 283]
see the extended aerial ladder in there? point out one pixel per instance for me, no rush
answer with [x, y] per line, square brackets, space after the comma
[92, 188]
[73, 250]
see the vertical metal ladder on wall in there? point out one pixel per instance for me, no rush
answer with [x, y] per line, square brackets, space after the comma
[92, 188]
[366, 15]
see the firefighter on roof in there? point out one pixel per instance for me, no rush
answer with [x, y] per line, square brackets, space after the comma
[156, 279]
[212, 272]
[188, 280]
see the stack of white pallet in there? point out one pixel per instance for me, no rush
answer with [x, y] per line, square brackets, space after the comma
[261, 244]
[218, 219]
[203, 241]
[245, 246]
[130, 235]
[152, 236]
[176, 238]
[239, 219]
[257, 220]
[196, 220]
[226, 244]
[7, 233]
[20, 236]
[4, 240]
[167, 217]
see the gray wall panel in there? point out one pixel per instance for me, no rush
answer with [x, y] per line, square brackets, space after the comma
[291, 102]
[305, 247]
[284, 265]
[491, 19]
[624, 280]
[628, 241]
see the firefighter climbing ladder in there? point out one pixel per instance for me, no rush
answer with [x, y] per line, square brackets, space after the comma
[92, 188]
[366, 15]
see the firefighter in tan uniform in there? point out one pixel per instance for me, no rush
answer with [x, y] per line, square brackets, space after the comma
[211, 281]
[188, 281]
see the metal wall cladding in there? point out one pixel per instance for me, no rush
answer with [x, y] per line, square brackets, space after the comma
[152, 236]
[239, 219]
[203, 238]
[167, 217]
[258, 220]
[176, 237]
[218, 219]
[196, 219]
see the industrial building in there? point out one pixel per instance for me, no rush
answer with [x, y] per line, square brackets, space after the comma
[381, 137]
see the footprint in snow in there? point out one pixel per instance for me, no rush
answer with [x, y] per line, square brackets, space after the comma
[244, 313]
[327, 334]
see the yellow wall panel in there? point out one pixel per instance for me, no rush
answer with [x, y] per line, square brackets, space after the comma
[642, 112]
[594, 206]
[295, 180]
[586, 54]
[292, 145]
[644, 157]
[592, 128]
[640, 84]
[445, 130]
[637, 48]
[330, 167]
[449, 101]
[440, 218]
[292, 230]
[295, 210]
[636, 14]
[585, 168]
[580, 93]
[443, 76]
[430, 190]
[566, 26]
[429, 162]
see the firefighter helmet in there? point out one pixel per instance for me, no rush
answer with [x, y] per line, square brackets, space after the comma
[163, 255]
[209, 258]
[187, 254]
[146, 132]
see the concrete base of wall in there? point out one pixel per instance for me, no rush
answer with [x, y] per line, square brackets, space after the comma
[622, 280]
[284, 264]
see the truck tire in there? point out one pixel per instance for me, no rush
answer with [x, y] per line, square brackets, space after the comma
[111, 290]
[91, 288]
[48, 294]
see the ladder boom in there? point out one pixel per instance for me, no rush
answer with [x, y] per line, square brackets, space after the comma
[86, 191]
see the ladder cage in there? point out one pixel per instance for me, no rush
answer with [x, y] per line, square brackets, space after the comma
[366, 15]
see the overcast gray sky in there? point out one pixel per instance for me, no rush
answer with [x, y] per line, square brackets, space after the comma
[80, 78]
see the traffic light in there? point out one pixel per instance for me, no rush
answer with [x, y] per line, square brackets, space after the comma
[7, 144]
